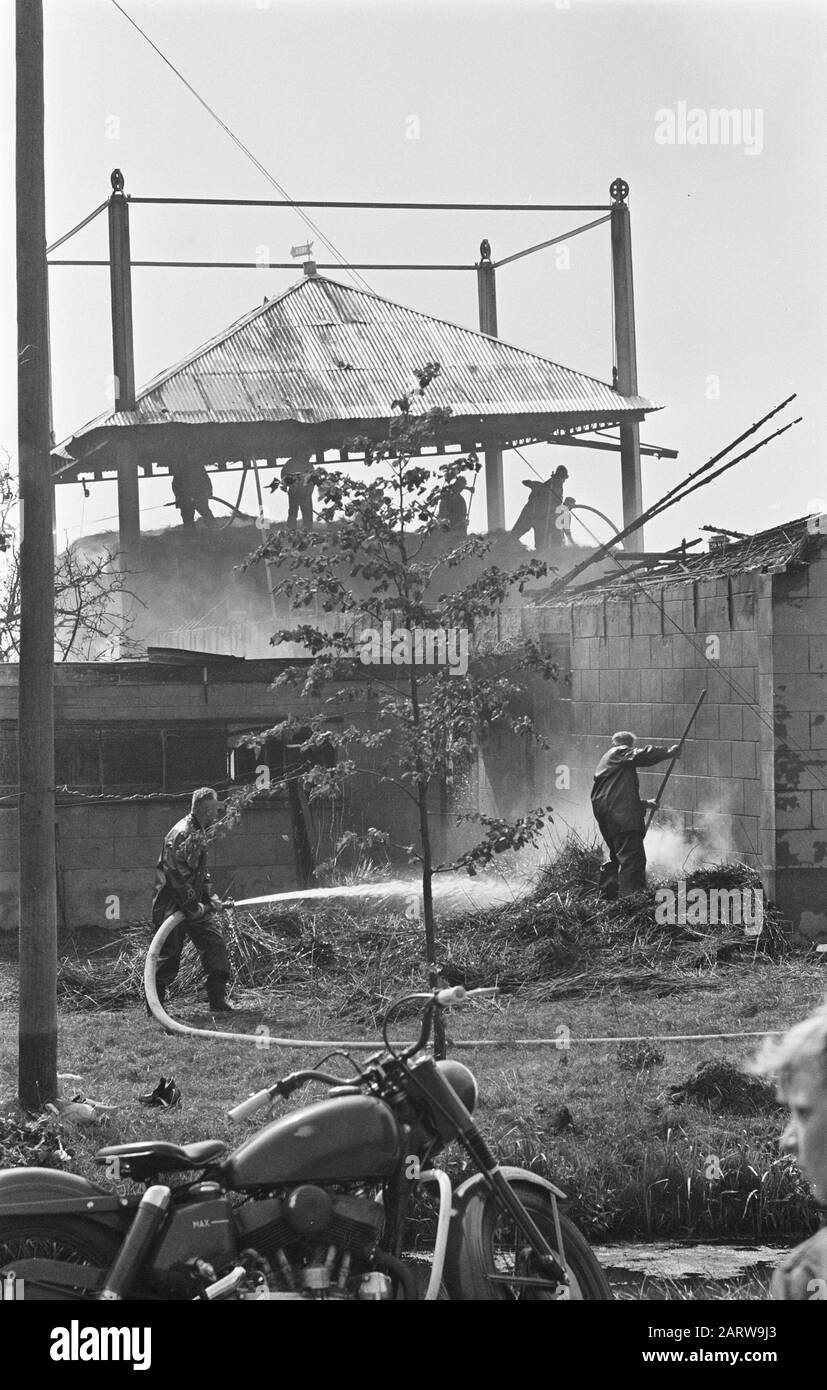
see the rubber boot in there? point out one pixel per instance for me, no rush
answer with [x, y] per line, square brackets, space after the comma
[217, 997]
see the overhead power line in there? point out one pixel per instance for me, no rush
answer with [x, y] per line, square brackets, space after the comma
[334, 251]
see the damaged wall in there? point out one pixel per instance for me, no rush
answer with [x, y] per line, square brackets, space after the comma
[797, 650]
[752, 781]
[632, 669]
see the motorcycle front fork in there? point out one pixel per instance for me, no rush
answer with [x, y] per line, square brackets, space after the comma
[549, 1263]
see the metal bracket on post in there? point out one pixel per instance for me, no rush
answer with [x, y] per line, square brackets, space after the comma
[626, 375]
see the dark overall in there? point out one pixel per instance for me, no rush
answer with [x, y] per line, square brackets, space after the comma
[540, 513]
[182, 884]
[621, 817]
[300, 489]
[192, 490]
[452, 508]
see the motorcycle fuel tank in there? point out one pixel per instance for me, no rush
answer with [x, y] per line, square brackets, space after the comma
[339, 1140]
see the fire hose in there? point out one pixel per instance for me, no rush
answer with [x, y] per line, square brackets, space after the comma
[264, 1040]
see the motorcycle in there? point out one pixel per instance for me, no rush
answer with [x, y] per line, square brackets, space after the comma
[316, 1205]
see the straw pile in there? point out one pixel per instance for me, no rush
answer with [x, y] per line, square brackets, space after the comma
[559, 941]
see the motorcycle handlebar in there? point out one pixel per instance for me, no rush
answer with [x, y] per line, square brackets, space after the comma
[284, 1088]
[249, 1106]
[455, 995]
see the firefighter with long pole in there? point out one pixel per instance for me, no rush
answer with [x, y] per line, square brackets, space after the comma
[623, 817]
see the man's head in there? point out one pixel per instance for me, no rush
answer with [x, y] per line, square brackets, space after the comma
[623, 739]
[561, 473]
[205, 806]
[798, 1063]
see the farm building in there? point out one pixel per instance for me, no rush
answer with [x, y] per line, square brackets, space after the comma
[746, 621]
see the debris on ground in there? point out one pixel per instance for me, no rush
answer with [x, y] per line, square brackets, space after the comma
[719, 1085]
[32, 1144]
[559, 940]
[639, 1056]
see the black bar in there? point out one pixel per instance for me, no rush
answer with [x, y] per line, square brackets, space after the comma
[269, 265]
[407, 207]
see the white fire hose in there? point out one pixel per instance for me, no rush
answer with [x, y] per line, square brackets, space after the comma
[264, 1040]
[261, 1040]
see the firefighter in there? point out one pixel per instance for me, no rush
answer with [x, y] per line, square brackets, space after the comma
[452, 507]
[182, 884]
[541, 510]
[299, 490]
[192, 490]
[620, 812]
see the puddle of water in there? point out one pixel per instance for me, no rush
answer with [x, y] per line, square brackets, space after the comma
[688, 1261]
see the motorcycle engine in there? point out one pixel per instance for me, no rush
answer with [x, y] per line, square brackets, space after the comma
[312, 1244]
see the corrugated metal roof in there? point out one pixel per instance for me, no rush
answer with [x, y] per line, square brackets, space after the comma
[324, 351]
[773, 551]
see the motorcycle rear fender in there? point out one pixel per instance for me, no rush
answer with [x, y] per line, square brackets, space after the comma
[47, 1192]
[514, 1176]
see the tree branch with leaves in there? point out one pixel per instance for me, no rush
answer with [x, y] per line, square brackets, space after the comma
[382, 552]
[91, 594]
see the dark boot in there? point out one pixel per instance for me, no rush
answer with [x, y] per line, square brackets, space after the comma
[217, 997]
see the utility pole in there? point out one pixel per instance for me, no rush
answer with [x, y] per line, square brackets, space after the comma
[624, 310]
[37, 1034]
[487, 295]
[123, 368]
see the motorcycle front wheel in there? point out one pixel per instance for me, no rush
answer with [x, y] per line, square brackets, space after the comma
[492, 1252]
[64, 1239]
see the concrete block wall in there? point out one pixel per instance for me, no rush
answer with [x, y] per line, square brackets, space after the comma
[641, 665]
[107, 851]
[123, 692]
[798, 651]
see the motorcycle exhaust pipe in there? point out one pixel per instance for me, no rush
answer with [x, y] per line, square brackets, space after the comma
[149, 1218]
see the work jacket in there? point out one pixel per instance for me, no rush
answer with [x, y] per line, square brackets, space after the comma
[616, 801]
[182, 882]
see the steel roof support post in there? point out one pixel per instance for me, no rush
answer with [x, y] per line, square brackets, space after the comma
[123, 367]
[487, 295]
[624, 311]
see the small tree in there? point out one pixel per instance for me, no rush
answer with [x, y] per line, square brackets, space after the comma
[90, 618]
[387, 534]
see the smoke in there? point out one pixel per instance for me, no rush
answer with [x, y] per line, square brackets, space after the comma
[191, 578]
[676, 842]
[673, 848]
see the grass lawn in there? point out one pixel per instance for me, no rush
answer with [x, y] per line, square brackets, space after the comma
[597, 1118]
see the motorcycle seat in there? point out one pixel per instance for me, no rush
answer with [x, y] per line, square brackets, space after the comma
[141, 1157]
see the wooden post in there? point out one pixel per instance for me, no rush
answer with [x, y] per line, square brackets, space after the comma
[624, 310]
[123, 366]
[37, 1032]
[487, 295]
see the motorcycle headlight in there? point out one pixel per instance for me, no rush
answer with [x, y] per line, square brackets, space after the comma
[461, 1080]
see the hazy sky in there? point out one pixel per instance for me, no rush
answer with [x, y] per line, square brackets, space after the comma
[512, 101]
